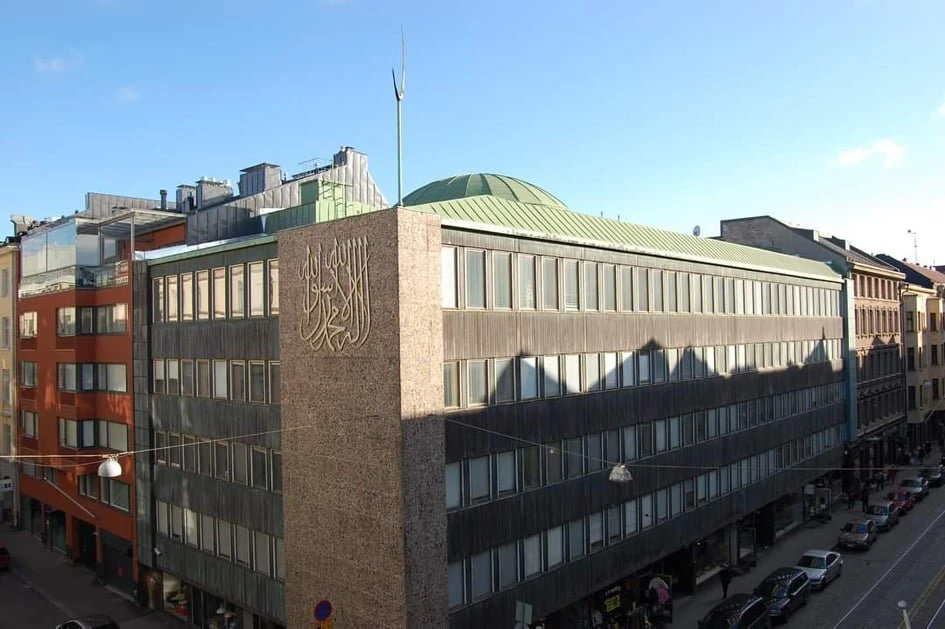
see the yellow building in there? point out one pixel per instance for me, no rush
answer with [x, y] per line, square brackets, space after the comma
[9, 259]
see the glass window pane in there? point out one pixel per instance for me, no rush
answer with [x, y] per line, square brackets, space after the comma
[187, 296]
[531, 467]
[505, 472]
[526, 282]
[590, 286]
[504, 380]
[481, 575]
[549, 283]
[528, 378]
[554, 543]
[257, 290]
[451, 384]
[475, 279]
[448, 277]
[203, 295]
[457, 584]
[477, 385]
[219, 293]
[454, 492]
[479, 479]
[507, 562]
[609, 287]
[237, 292]
[576, 541]
[551, 380]
[502, 280]
[273, 287]
[531, 551]
[570, 284]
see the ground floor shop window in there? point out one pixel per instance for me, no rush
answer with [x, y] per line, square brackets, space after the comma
[177, 597]
[710, 554]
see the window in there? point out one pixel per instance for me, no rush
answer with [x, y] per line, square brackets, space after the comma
[454, 487]
[224, 539]
[219, 293]
[477, 385]
[502, 280]
[551, 383]
[68, 433]
[205, 457]
[554, 544]
[261, 551]
[448, 281]
[27, 374]
[207, 534]
[111, 319]
[237, 292]
[240, 469]
[187, 377]
[531, 467]
[191, 536]
[475, 279]
[531, 555]
[65, 321]
[116, 494]
[571, 274]
[275, 383]
[481, 575]
[507, 562]
[592, 380]
[173, 449]
[526, 282]
[203, 378]
[595, 531]
[573, 457]
[273, 287]
[173, 301]
[160, 447]
[910, 322]
[451, 384]
[576, 539]
[479, 479]
[257, 290]
[504, 380]
[203, 295]
[221, 459]
[549, 283]
[187, 297]
[259, 466]
[275, 470]
[177, 520]
[112, 377]
[220, 390]
[28, 325]
[188, 447]
[5, 283]
[457, 584]
[238, 381]
[5, 386]
[528, 378]
[505, 472]
[609, 287]
[241, 537]
[257, 382]
[66, 377]
[572, 374]
[159, 385]
[173, 376]
[157, 300]
[553, 463]
[591, 289]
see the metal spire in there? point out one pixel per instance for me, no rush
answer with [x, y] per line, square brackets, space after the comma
[399, 95]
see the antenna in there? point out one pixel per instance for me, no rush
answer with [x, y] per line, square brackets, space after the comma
[696, 231]
[399, 95]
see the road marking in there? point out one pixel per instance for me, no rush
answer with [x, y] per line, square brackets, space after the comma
[891, 568]
[920, 602]
[65, 610]
[937, 612]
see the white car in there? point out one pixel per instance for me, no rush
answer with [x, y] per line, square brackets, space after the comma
[821, 566]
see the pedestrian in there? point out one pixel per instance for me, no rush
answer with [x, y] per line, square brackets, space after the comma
[865, 498]
[881, 480]
[725, 576]
[851, 496]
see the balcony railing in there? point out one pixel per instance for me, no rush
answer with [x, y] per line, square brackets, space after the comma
[73, 277]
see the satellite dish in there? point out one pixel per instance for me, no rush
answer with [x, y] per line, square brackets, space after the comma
[696, 231]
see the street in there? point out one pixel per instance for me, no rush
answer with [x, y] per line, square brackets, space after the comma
[22, 606]
[906, 564]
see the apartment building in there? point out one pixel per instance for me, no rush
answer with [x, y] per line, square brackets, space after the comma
[877, 420]
[9, 260]
[924, 337]
[459, 489]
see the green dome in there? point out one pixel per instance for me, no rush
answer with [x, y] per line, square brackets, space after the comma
[474, 185]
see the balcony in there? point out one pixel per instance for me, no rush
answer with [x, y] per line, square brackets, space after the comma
[75, 277]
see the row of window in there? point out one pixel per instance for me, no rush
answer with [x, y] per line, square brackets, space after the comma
[226, 460]
[871, 321]
[110, 319]
[5, 336]
[237, 291]
[251, 549]
[498, 280]
[480, 479]
[499, 380]
[879, 407]
[29, 325]
[875, 288]
[479, 576]
[933, 351]
[237, 380]
[93, 433]
[92, 377]
[108, 491]
[878, 362]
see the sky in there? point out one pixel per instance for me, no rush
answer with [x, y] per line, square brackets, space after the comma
[829, 115]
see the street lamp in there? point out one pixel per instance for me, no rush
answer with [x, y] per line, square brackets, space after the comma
[109, 468]
[905, 615]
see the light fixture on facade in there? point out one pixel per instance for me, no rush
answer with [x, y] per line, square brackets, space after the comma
[620, 474]
[109, 468]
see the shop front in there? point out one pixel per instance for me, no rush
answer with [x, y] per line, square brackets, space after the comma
[787, 513]
[118, 562]
[711, 554]
[199, 608]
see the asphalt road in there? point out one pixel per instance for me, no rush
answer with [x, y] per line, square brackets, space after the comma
[906, 564]
[22, 606]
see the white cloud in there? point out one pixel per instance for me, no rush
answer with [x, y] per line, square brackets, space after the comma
[892, 154]
[50, 65]
[127, 94]
[941, 110]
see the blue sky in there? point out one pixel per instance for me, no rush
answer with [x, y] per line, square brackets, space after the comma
[675, 114]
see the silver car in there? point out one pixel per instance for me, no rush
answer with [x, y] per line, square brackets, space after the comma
[821, 566]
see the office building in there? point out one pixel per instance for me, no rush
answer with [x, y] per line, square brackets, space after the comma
[9, 260]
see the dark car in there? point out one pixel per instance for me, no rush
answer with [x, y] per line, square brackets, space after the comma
[933, 475]
[917, 486]
[738, 611]
[858, 534]
[90, 622]
[785, 591]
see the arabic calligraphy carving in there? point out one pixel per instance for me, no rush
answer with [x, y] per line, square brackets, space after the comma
[336, 304]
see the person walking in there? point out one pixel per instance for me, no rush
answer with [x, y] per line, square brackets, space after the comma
[865, 497]
[852, 493]
[725, 576]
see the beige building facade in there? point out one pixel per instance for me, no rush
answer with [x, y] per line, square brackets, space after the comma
[9, 257]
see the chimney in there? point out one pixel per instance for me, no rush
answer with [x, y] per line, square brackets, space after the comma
[259, 178]
[211, 190]
[163, 200]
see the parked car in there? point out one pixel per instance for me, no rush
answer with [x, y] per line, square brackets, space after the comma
[884, 513]
[858, 534]
[917, 486]
[821, 566]
[90, 622]
[4, 557]
[785, 591]
[738, 611]
[902, 499]
[933, 475]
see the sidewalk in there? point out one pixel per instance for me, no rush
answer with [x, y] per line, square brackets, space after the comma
[688, 611]
[72, 588]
